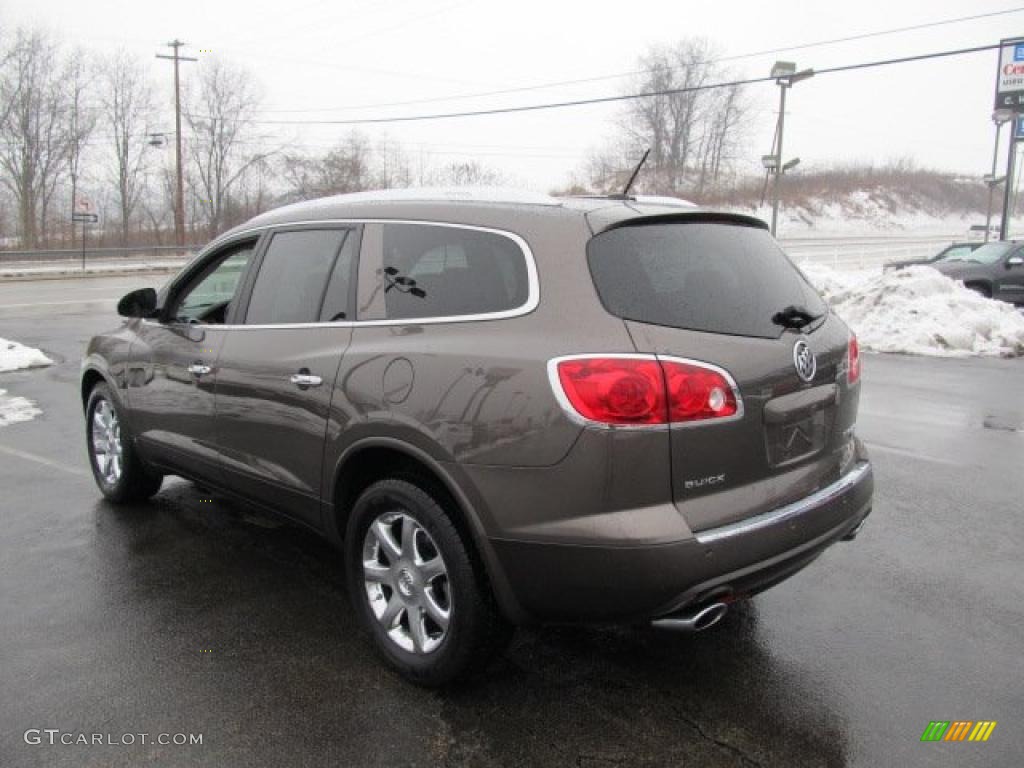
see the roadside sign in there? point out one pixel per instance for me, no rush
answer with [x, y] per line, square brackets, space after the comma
[1010, 75]
[83, 205]
[85, 218]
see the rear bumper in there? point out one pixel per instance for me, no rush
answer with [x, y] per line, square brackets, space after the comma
[565, 582]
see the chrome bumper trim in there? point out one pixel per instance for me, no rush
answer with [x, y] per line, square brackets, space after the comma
[796, 508]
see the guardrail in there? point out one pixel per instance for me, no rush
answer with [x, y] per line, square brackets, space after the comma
[62, 255]
[861, 252]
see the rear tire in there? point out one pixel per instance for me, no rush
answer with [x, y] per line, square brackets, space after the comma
[413, 583]
[980, 288]
[119, 472]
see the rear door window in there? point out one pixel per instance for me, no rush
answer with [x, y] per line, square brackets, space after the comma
[437, 271]
[702, 276]
[293, 277]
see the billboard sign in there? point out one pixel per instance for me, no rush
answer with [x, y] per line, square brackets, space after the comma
[1010, 76]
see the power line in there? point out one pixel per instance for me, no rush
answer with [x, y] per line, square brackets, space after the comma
[602, 78]
[621, 97]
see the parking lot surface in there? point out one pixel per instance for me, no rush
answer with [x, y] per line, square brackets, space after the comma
[192, 616]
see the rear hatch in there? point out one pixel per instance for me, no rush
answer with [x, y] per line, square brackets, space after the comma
[711, 289]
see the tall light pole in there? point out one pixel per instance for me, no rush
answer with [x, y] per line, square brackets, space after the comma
[1011, 159]
[179, 203]
[999, 117]
[785, 75]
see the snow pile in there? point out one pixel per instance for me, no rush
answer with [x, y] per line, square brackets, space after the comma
[14, 409]
[14, 356]
[919, 311]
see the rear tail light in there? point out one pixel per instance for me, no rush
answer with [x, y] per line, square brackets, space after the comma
[853, 360]
[642, 390]
[696, 392]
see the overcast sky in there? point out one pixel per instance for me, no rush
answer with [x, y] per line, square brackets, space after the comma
[335, 57]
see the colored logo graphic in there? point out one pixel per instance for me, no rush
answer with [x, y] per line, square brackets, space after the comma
[1018, 53]
[958, 730]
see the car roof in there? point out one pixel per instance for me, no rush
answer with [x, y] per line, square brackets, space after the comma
[482, 206]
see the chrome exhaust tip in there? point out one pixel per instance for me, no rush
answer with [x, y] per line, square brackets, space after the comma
[856, 530]
[701, 619]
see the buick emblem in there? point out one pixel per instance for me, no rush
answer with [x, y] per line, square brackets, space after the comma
[804, 361]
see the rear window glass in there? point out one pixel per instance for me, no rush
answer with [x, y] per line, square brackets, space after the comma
[433, 271]
[702, 276]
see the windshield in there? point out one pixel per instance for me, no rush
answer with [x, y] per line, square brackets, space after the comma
[987, 254]
[955, 253]
[703, 276]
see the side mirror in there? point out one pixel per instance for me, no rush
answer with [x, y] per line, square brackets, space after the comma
[1015, 261]
[140, 303]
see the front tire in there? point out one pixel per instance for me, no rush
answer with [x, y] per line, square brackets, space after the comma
[119, 472]
[413, 582]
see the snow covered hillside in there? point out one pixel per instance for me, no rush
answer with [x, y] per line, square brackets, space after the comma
[862, 215]
[863, 201]
[919, 311]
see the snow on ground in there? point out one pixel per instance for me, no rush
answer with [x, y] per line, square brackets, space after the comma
[919, 311]
[14, 356]
[14, 409]
[862, 214]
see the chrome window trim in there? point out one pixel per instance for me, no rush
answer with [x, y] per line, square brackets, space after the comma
[533, 282]
[781, 514]
[583, 421]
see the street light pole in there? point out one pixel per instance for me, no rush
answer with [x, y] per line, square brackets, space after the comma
[785, 75]
[998, 117]
[783, 87]
[992, 186]
[1011, 158]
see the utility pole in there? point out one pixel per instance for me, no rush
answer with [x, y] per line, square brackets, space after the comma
[1011, 159]
[179, 203]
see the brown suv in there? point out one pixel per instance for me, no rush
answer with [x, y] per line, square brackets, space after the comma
[503, 410]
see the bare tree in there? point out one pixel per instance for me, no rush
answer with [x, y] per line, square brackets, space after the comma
[34, 149]
[81, 119]
[691, 129]
[128, 109]
[466, 173]
[11, 88]
[219, 115]
[351, 166]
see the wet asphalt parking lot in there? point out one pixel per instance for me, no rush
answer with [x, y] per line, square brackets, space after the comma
[191, 616]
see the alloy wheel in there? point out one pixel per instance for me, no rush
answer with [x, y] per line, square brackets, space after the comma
[105, 432]
[406, 583]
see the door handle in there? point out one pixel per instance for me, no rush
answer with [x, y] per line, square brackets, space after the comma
[199, 369]
[305, 379]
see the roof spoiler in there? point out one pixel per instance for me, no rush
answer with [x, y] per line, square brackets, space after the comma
[689, 217]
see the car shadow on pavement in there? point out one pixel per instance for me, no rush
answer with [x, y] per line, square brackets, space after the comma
[284, 661]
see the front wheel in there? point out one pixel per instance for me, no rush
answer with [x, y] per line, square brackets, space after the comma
[117, 469]
[412, 579]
